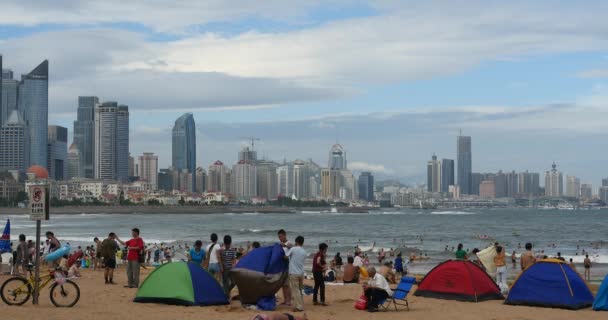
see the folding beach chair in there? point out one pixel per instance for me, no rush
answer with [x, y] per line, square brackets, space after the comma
[399, 297]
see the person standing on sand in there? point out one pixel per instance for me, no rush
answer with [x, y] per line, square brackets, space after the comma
[297, 256]
[196, 254]
[97, 258]
[587, 265]
[212, 264]
[501, 269]
[282, 235]
[318, 268]
[135, 247]
[227, 259]
[107, 250]
[514, 260]
[527, 258]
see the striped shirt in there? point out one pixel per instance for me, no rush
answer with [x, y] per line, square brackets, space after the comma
[228, 257]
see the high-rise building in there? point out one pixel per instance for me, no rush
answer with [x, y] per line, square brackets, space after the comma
[512, 187]
[13, 143]
[586, 191]
[33, 102]
[201, 180]
[219, 178]
[476, 179]
[337, 158]
[487, 189]
[554, 182]
[111, 141]
[573, 187]
[433, 173]
[330, 183]
[605, 182]
[500, 185]
[244, 175]
[285, 179]
[148, 169]
[248, 155]
[74, 163]
[267, 179]
[366, 186]
[9, 88]
[184, 144]
[84, 133]
[133, 168]
[57, 152]
[529, 184]
[465, 163]
[603, 193]
[447, 174]
[348, 182]
[302, 172]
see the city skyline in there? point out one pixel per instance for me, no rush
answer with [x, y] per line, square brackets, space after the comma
[525, 104]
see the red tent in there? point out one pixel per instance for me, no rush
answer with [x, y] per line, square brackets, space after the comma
[458, 280]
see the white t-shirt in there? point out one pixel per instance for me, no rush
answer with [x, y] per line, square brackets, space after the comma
[297, 256]
[286, 246]
[213, 254]
[379, 281]
[358, 262]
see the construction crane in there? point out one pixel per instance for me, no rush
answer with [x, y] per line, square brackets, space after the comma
[253, 140]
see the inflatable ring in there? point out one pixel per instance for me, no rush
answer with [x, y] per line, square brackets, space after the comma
[57, 254]
[363, 272]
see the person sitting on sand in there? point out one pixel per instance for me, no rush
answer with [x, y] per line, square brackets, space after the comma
[278, 316]
[460, 253]
[74, 271]
[351, 273]
[387, 271]
[376, 290]
[527, 258]
[559, 257]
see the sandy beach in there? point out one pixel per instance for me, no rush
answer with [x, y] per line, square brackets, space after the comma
[103, 302]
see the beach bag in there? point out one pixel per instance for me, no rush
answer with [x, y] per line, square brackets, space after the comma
[361, 304]
[142, 256]
[267, 303]
[208, 257]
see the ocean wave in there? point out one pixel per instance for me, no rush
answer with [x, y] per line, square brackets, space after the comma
[251, 230]
[453, 213]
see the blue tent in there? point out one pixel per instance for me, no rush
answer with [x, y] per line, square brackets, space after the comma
[260, 273]
[601, 299]
[5, 238]
[550, 283]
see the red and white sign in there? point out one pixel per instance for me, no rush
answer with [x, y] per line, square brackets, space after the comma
[38, 203]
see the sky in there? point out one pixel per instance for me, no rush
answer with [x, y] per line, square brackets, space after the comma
[392, 81]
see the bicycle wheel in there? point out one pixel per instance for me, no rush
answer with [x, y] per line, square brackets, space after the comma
[15, 291]
[65, 295]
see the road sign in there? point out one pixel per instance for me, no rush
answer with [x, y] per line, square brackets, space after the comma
[39, 202]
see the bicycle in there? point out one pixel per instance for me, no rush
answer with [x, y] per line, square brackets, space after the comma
[17, 290]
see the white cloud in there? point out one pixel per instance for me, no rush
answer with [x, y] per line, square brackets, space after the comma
[364, 166]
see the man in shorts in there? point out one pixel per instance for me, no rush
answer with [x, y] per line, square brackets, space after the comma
[97, 256]
[108, 249]
[212, 258]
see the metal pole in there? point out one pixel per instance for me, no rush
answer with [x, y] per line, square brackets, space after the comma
[37, 272]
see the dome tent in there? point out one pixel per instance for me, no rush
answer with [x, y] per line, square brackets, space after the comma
[550, 283]
[601, 299]
[181, 283]
[458, 280]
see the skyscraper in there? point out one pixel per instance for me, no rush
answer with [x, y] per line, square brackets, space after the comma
[184, 145]
[74, 163]
[433, 172]
[219, 178]
[301, 179]
[84, 133]
[8, 93]
[33, 100]
[330, 183]
[111, 153]
[554, 184]
[447, 174]
[573, 187]
[603, 193]
[122, 143]
[267, 179]
[148, 169]
[605, 182]
[244, 176]
[529, 183]
[57, 152]
[586, 191]
[248, 155]
[337, 158]
[3, 115]
[465, 163]
[12, 143]
[366, 186]
[285, 179]
[201, 180]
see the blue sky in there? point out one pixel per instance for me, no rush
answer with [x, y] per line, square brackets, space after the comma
[393, 81]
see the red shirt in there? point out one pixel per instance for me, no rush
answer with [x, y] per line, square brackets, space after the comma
[317, 264]
[133, 254]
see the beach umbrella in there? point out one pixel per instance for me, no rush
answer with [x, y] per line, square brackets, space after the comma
[5, 240]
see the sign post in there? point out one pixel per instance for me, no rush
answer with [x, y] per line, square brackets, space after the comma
[39, 205]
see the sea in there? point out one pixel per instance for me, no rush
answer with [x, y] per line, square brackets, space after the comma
[430, 234]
